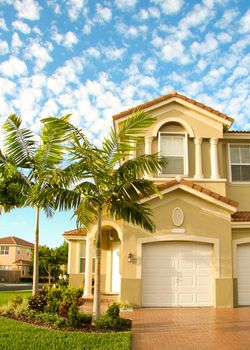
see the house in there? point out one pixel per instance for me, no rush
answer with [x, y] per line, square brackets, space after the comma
[200, 252]
[15, 258]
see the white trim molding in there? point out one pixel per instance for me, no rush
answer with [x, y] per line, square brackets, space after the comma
[179, 238]
[111, 223]
[180, 121]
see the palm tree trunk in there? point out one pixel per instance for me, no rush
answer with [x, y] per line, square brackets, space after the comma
[36, 255]
[97, 288]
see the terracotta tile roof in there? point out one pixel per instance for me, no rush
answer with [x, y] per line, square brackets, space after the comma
[238, 132]
[167, 97]
[22, 262]
[76, 232]
[241, 216]
[15, 240]
[197, 188]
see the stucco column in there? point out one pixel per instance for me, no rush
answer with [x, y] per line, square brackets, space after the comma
[198, 158]
[148, 144]
[148, 149]
[88, 268]
[214, 158]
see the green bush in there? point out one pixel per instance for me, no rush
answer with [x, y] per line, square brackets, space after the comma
[38, 301]
[14, 302]
[20, 309]
[85, 318]
[106, 322]
[63, 282]
[113, 310]
[74, 320]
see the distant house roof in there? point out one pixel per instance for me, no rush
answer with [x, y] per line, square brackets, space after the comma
[77, 232]
[15, 241]
[241, 216]
[167, 97]
[22, 262]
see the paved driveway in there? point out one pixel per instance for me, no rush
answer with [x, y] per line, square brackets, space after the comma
[191, 329]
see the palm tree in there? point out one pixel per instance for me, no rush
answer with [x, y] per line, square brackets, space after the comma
[41, 161]
[112, 183]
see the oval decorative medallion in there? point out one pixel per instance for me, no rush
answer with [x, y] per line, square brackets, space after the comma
[177, 216]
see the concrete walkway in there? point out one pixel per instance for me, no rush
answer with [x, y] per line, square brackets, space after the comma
[190, 329]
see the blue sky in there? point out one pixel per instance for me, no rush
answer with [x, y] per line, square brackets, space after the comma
[96, 58]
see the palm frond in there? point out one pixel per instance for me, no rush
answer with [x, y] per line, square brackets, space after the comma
[136, 213]
[87, 212]
[19, 142]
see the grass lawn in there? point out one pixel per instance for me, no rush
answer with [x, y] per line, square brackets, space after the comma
[6, 296]
[16, 335]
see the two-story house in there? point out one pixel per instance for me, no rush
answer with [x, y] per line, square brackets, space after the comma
[15, 258]
[200, 252]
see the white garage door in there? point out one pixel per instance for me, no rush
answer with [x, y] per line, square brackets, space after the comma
[176, 274]
[243, 274]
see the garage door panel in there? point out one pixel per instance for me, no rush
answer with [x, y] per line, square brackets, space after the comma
[176, 274]
[243, 263]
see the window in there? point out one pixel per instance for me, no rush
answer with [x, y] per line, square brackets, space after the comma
[83, 264]
[4, 250]
[27, 252]
[174, 148]
[18, 251]
[240, 163]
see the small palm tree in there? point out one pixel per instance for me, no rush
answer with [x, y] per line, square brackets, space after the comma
[41, 161]
[111, 182]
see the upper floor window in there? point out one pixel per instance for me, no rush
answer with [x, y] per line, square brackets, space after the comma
[18, 251]
[173, 146]
[240, 163]
[27, 252]
[4, 250]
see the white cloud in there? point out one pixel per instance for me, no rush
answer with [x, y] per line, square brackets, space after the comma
[3, 25]
[93, 52]
[199, 16]
[145, 14]
[16, 42]
[70, 39]
[131, 32]
[4, 47]
[103, 14]
[209, 44]
[174, 50]
[14, 67]
[75, 7]
[113, 53]
[39, 53]
[125, 4]
[228, 16]
[245, 23]
[7, 87]
[67, 40]
[28, 9]
[21, 27]
[150, 65]
[169, 7]
[224, 38]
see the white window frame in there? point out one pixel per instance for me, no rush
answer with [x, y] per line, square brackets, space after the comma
[185, 165]
[229, 164]
[5, 249]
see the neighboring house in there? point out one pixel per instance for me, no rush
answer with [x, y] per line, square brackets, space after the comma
[15, 258]
[200, 252]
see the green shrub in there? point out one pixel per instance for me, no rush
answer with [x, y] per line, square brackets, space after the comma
[64, 308]
[73, 316]
[38, 301]
[62, 283]
[14, 302]
[6, 309]
[21, 308]
[113, 310]
[30, 314]
[85, 318]
[106, 322]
